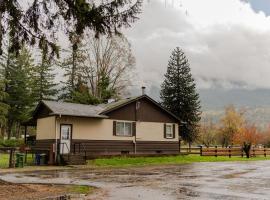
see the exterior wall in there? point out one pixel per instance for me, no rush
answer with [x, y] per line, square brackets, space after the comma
[153, 131]
[91, 128]
[102, 129]
[46, 128]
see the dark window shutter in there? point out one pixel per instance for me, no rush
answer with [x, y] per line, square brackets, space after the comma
[133, 128]
[114, 127]
[173, 130]
[164, 130]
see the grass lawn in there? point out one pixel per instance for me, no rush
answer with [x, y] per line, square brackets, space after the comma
[4, 160]
[143, 161]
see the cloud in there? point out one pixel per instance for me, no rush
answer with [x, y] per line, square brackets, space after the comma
[226, 42]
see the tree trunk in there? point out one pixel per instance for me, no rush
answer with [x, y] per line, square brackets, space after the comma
[9, 128]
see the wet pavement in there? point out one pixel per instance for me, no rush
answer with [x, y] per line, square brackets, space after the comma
[222, 180]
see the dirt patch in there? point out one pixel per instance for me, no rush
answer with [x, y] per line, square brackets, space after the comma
[10, 191]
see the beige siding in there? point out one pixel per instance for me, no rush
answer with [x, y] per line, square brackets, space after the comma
[92, 129]
[46, 128]
[102, 129]
[153, 131]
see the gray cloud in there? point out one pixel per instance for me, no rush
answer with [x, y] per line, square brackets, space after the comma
[224, 51]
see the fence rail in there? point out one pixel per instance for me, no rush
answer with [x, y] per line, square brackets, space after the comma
[230, 151]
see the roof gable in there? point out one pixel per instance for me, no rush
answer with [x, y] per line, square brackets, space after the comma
[150, 110]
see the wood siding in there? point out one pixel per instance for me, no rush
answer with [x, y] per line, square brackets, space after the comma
[101, 147]
[43, 144]
[146, 111]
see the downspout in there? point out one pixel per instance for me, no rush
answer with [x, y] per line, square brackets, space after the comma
[135, 136]
[56, 143]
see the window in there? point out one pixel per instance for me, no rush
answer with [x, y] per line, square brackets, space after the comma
[124, 128]
[169, 131]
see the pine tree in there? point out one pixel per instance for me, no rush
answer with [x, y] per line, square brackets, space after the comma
[19, 89]
[3, 95]
[72, 66]
[178, 95]
[44, 86]
[3, 106]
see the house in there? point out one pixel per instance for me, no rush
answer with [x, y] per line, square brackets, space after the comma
[137, 125]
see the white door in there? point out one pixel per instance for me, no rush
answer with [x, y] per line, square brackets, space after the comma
[65, 138]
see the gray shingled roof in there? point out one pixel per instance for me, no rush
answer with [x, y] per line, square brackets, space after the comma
[96, 111]
[73, 109]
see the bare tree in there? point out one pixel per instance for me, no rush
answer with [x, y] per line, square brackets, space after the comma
[108, 66]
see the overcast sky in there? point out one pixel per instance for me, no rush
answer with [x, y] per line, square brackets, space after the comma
[226, 41]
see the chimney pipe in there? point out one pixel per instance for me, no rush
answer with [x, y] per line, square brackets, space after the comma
[143, 90]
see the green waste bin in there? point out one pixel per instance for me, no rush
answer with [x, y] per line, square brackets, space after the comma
[19, 160]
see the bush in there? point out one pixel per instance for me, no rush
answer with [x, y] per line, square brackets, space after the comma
[11, 143]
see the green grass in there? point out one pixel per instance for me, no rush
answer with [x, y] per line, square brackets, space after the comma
[143, 161]
[80, 189]
[4, 160]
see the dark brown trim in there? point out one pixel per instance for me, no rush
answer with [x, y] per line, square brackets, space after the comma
[114, 128]
[173, 130]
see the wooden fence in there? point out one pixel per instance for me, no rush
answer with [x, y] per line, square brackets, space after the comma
[229, 151]
[192, 150]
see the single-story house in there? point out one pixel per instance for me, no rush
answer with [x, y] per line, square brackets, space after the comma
[137, 125]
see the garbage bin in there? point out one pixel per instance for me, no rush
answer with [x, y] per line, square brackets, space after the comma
[43, 157]
[19, 160]
[37, 159]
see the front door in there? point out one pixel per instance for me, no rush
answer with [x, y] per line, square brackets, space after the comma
[65, 138]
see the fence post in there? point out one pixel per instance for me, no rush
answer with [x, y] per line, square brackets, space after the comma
[230, 151]
[201, 150]
[242, 153]
[264, 150]
[253, 151]
[215, 151]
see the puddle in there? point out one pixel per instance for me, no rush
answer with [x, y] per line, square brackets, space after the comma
[192, 181]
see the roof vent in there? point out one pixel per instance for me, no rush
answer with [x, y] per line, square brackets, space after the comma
[143, 90]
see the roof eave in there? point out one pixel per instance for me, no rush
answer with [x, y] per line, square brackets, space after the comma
[86, 116]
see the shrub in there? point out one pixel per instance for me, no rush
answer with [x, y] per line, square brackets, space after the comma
[11, 143]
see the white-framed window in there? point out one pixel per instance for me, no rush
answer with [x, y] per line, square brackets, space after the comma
[169, 130]
[124, 128]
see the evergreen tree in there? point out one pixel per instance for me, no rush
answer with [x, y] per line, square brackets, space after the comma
[178, 95]
[72, 66]
[3, 106]
[19, 89]
[44, 86]
[3, 95]
[35, 22]
[81, 94]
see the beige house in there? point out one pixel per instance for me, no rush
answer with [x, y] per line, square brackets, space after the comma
[136, 125]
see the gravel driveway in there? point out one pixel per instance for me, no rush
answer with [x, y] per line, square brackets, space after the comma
[217, 180]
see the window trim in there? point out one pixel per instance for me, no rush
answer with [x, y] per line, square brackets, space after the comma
[125, 122]
[166, 134]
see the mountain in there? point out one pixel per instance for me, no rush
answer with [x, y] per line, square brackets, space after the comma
[256, 102]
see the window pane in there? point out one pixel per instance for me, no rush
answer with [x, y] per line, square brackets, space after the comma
[65, 132]
[120, 128]
[128, 129]
[169, 131]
